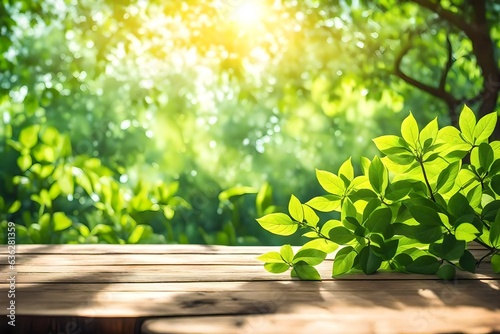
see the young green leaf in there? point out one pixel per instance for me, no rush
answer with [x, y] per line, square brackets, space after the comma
[447, 178]
[276, 268]
[429, 133]
[330, 182]
[321, 244]
[485, 127]
[446, 272]
[310, 217]
[295, 209]
[271, 257]
[306, 272]
[378, 176]
[467, 123]
[410, 131]
[278, 223]
[61, 221]
[344, 261]
[486, 156]
[347, 170]
[286, 253]
[310, 256]
[466, 232]
[326, 203]
[28, 136]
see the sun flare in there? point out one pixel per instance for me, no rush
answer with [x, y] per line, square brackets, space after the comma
[248, 13]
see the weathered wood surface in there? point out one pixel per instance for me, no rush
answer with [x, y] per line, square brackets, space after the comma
[216, 289]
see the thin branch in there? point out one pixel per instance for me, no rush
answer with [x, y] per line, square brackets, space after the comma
[438, 92]
[449, 64]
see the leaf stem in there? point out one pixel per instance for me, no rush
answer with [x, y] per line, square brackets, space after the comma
[427, 180]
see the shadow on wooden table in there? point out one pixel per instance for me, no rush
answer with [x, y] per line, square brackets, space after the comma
[339, 306]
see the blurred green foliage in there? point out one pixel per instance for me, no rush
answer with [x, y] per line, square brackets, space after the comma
[182, 121]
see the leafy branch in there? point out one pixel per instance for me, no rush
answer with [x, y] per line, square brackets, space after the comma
[399, 214]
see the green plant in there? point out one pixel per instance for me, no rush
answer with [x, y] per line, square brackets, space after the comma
[56, 196]
[414, 210]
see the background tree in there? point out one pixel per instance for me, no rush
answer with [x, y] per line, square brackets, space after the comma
[230, 95]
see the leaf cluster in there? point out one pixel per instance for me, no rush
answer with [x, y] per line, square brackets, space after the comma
[415, 210]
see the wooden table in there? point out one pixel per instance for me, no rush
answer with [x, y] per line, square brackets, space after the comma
[215, 289]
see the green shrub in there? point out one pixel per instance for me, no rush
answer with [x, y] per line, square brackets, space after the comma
[414, 210]
[55, 196]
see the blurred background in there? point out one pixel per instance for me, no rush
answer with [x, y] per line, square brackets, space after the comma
[148, 121]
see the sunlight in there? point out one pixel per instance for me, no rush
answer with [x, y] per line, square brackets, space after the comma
[248, 13]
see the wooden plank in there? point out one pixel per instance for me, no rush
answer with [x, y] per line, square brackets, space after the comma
[153, 249]
[413, 320]
[255, 297]
[140, 258]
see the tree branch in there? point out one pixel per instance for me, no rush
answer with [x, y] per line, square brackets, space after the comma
[446, 15]
[449, 64]
[439, 92]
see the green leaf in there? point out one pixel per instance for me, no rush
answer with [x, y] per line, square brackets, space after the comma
[429, 134]
[295, 209]
[390, 145]
[466, 232]
[458, 206]
[409, 130]
[341, 235]
[344, 260]
[276, 268]
[330, 182]
[28, 136]
[425, 215]
[495, 184]
[306, 272]
[486, 156]
[495, 263]
[286, 252]
[236, 191]
[310, 217]
[485, 127]
[378, 176]
[468, 262]
[24, 162]
[310, 256]
[450, 249]
[264, 198]
[61, 221]
[271, 257]
[446, 272]
[387, 249]
[447, 178]
[347, 170]
[137, 234]
[495, 231]
[326, 203]
[14, 207]
[368, 260]
[467, 123]
[278, 223]
[321, 244]
[425, 264]
[379, 222]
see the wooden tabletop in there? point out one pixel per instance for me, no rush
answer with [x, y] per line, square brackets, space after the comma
[216, 289]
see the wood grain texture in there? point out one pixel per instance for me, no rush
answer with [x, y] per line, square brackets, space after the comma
[217, 289]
